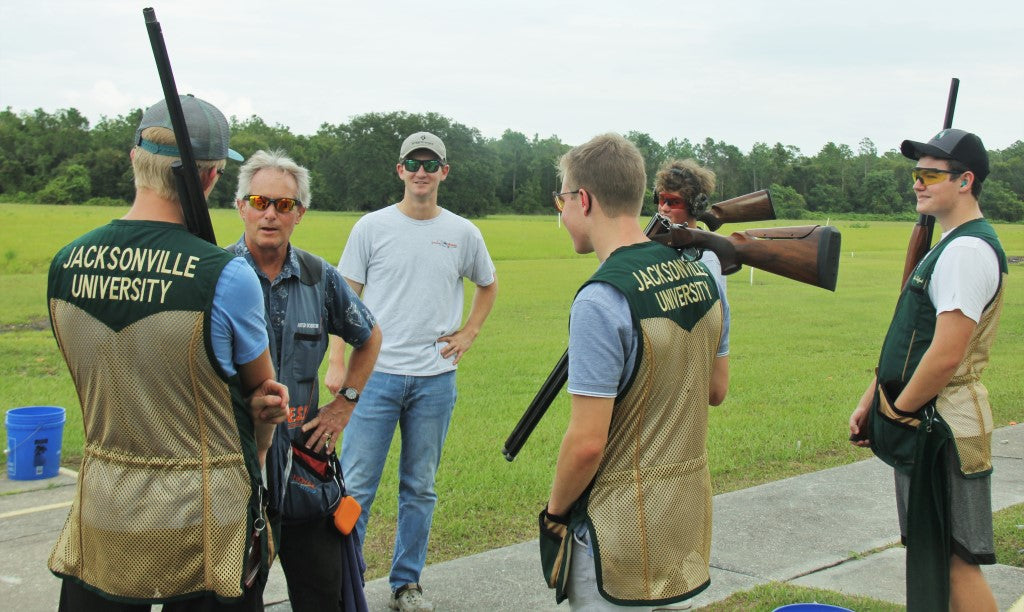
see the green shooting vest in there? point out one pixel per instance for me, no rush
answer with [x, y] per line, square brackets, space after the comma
[169, 482]
[648, 508]
[963, 404]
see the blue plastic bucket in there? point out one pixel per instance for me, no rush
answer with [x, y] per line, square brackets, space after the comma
[810, 607]
[34, 438]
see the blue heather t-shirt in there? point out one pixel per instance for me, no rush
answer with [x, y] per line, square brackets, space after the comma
[237, 327]
[602, 342]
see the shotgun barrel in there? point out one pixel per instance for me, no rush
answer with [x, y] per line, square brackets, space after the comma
[186, 173]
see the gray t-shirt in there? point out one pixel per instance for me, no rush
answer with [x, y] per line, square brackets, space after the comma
[412, 275]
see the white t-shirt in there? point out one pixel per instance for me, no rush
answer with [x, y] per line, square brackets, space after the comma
[412, 273]
[965, 277]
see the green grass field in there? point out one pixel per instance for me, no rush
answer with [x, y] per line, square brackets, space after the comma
[800, 358]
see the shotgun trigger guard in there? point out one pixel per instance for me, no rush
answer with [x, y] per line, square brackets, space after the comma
[691, 253]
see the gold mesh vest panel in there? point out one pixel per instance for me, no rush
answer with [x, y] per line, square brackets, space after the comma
[163, 504]
[650, 503]
[963, 403]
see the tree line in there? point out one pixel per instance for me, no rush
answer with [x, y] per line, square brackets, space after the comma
[58, 158]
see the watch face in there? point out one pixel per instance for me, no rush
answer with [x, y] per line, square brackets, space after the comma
[350, 394]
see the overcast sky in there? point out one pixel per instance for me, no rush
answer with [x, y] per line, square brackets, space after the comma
[801, 73]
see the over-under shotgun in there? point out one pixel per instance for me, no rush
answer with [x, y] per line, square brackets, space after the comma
[813, 258]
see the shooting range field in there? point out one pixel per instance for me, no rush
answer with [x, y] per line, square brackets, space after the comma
[800, 358]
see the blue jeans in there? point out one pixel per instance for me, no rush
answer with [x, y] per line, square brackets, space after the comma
[421, 407]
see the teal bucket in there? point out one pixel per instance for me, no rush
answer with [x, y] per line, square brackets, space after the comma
[34, 438]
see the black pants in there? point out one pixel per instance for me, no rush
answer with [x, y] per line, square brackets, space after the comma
[76, 598]
[311, 557]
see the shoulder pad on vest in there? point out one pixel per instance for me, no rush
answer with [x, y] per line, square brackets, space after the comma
[311, 267]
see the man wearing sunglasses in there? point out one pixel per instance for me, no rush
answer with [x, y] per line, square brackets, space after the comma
[926, 413]
[408, 261]
[307, 302]
[179, 404]
[682, 188]
[630, 504]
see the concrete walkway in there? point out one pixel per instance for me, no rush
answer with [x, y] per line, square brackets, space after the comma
[819, 530]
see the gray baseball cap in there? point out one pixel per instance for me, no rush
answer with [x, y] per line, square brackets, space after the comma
[423, 140]
[958, 145]
[207, 130]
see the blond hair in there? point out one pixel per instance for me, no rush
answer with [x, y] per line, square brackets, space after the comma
[612, 169]
[154, 172]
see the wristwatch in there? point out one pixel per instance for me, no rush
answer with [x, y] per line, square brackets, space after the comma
[349, 393]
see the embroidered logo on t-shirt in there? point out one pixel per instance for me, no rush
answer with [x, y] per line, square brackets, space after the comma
[445, 244]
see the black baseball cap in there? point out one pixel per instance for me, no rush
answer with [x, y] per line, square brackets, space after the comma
[954, 144]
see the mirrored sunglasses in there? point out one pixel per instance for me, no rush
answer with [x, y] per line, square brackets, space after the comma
[283, 205]
[429, 165]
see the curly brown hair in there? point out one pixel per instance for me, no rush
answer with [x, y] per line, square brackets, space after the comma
[686, 177]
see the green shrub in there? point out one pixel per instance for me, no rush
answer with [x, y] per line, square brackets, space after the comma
[71, 186]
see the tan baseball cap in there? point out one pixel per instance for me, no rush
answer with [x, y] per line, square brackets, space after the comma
[423, 140]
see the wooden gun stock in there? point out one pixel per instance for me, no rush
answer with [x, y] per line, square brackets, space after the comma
[808, 253]
[756, 206]
[917, 248]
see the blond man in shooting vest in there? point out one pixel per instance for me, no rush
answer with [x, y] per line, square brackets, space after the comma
[628, 522]
[163, 335]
